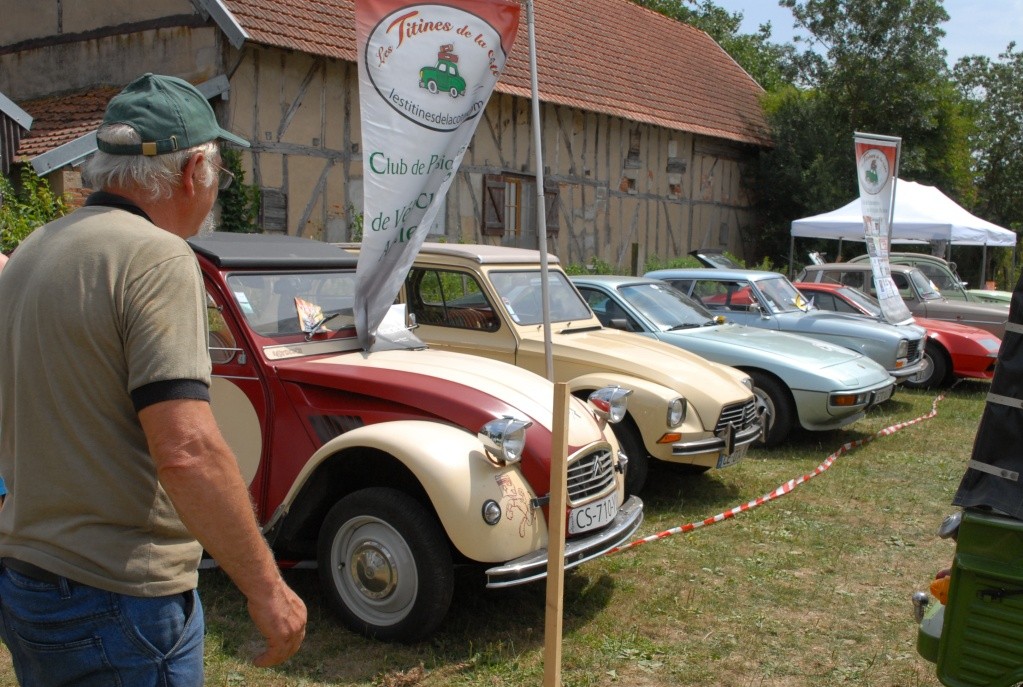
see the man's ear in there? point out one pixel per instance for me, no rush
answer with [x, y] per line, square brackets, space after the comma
[190, 182]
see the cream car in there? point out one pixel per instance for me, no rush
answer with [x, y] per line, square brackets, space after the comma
[486, 300]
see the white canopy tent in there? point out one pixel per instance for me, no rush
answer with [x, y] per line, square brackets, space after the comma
[922, 214]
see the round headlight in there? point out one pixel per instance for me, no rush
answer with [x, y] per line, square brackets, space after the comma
[677, 412]
[610, 403]
[505, 438]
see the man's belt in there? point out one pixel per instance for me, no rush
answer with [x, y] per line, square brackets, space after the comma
[29, 570]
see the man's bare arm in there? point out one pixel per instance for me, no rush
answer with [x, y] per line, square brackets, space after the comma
[201, 476]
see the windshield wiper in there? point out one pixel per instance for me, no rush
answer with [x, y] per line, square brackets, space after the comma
[316, 327]
[686, 325]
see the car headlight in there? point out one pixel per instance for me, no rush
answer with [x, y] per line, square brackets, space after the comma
[903, 349]
[991, 345]
[610, 403]
[504, 438]
[677, 410]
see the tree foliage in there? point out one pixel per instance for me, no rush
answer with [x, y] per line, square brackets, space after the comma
[239, 202]
[873, 66]
[993, 91]
[24, 208]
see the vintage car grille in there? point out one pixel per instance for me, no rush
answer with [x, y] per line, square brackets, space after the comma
[742, 415]
[589, 475]
[914, 351]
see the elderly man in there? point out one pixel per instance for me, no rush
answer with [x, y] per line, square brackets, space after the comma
[114, 463]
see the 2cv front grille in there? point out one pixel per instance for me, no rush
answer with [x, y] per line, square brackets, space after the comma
[590, 475]
[742, 415]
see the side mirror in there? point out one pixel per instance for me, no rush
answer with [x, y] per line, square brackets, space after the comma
[620, 323]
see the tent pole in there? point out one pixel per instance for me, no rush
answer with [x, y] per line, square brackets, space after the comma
[792, 248]
[983, 266]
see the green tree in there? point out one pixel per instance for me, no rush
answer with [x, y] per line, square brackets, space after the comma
[875, 66]
[994, 93]
[239, 202]
[32, 204]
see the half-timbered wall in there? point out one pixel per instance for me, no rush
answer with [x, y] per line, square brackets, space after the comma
[617, 191]
[625, 191]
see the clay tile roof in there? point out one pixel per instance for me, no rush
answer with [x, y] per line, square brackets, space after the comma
[608, 56]
[61, 119]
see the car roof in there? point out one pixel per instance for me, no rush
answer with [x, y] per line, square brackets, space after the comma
[485, 254]
[855, 267]
[715, 273]
[270, 251]
[613, 280]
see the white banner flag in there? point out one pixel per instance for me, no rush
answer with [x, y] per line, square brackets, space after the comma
[877, 163]
[426, 72]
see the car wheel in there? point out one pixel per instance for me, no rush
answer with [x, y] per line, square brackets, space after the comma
[431, 86]
[454, 92]
[935, 370]
[639, 460]
[775, 406]
[385, 565]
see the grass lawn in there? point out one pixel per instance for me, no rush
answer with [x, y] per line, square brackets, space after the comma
[811, 589]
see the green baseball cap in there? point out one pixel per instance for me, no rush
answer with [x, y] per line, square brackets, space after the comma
[169, 113]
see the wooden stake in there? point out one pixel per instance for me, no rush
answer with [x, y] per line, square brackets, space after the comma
[556, 539]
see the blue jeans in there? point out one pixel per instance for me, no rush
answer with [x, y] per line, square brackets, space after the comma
[66, 633]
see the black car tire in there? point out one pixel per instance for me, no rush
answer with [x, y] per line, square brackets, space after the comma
[385, 565]
[778, 411]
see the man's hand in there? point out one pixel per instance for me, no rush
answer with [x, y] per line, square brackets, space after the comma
[280, 617]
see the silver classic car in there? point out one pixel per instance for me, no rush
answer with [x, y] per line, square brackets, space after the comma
[768, 300]
[917, 290]
[798, 381]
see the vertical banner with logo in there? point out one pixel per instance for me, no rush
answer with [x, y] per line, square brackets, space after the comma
[877, 164]
[426, 71]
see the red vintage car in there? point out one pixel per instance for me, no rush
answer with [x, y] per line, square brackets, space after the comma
[385, 469]
[953, 350]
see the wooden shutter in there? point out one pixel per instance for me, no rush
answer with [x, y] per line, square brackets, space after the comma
[493, 205]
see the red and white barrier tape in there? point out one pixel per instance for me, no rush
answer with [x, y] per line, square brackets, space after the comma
[785, 488]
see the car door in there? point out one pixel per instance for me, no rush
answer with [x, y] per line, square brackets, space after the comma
[453, 312]
[238, 395]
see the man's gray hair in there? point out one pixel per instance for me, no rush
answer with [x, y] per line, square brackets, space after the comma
[153, 175]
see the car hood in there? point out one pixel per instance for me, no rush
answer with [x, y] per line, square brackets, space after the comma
[739, 344]
[590, 349]
[462, 389]
[972, 311]
[841, 324]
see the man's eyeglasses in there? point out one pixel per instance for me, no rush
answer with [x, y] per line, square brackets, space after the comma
[225, 177]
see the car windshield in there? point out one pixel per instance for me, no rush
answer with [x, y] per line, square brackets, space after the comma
[865, 302]
[521, 293]
[924, 286]
[667, 308]
[287, 303]
[781, 296]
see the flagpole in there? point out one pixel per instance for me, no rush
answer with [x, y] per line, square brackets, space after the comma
[541, 206]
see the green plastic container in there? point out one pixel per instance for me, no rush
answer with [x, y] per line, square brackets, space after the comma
[981, 642]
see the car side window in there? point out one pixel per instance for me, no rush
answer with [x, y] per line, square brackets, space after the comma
[606, 309]
[902, 284]
[823, 301]
[448, 298]
[222, 343]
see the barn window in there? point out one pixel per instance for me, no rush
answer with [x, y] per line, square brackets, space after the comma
[509, 209]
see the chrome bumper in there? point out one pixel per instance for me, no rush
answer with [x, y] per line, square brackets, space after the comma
[533, 566]
[722, 442]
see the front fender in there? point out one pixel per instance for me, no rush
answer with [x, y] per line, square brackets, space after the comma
[648, 407]
[453, 469]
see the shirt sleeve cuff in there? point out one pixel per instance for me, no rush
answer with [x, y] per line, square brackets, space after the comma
[169, 390]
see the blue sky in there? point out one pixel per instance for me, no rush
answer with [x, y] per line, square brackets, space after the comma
[975, 27]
